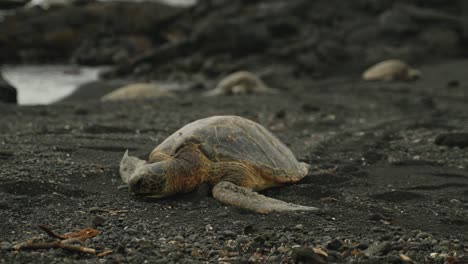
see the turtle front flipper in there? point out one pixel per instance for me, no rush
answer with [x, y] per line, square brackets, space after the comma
[128, 165]
[245, 198]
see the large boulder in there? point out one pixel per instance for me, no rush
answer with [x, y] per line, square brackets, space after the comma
[8, 93]
[36, 35]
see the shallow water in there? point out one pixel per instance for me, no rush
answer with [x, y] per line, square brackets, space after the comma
[45, 84]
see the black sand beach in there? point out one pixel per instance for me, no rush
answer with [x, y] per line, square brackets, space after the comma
[400, 193]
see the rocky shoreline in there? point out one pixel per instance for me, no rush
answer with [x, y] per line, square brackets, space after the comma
[400, 193]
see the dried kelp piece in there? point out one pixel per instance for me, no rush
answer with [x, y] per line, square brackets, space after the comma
[33, 244]
[69, 241]
[82, 234]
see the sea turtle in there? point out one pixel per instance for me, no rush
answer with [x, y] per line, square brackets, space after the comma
[241, 82]
[234, 155]
[136, 91]
[390, 70]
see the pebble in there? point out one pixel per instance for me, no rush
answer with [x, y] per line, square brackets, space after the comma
[229, 234]
[299, 227]
[452, 140]
[4, 204]
[362, 246]
[423, 235]
[377, 229]
[179, 238]
[305, 255]
[381, 248]
[335, 244]
[98, 221]
[4, 245]
[455, 202]
[131, 231]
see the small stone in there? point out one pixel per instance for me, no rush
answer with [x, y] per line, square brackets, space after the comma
[335, 244]
[396, 21]
[249, 229]
[452, 140]
[377, 229]
[98, 221]
[305, 255]
[4, 204]
[453, 83]
[309, 108]
[131, 231]
[299, 227]
[379, 249]
[95, 209]
[229, 234]
[282, 249]
[423, 235]
[362, 246]
[441, 248]
[223, 214]
[4, 245]
[179, 238]
[273, 259]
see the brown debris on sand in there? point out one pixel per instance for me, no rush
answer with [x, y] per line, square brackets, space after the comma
[69, 241]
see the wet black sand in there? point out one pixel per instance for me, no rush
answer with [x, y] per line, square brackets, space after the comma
[395, 191]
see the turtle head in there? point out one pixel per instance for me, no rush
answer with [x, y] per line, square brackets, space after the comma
[128, 165]
[413, 74]
[149, 180]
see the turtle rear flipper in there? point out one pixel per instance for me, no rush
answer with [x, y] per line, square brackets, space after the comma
[245, 198]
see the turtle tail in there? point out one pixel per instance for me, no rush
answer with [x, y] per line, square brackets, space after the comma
[128, 165]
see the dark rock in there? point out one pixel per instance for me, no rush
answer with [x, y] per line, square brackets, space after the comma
[305, 255]
[379, 249]
[4, 204]
[452, 140]
[377, 229]
[54, 34]
[8, 93]
[235, 37]
[372, 157]
[362, 246]
[453, 83]
[335, 244]
[309, 108]
[98, 221]
[11, 4]
[249, 229]
[4, 154]
[229, 234]
[397, 21]
[443, 41]
[4, 245]
[111, 50]
[376, 217]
